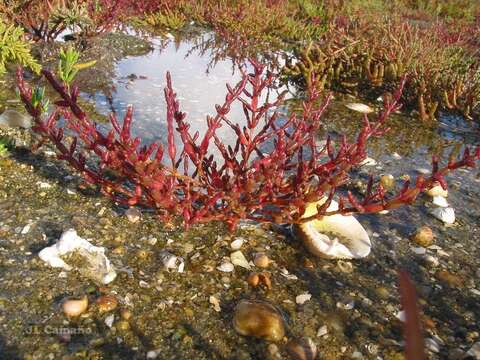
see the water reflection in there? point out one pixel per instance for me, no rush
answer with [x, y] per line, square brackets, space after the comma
[198, 82]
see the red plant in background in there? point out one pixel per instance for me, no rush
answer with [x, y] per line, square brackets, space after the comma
[247, 183]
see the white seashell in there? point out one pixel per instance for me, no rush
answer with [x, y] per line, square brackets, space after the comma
[400, 315]
[323, 330]
[75, 307]
[237, 243]
[97, 265]
[358, 242]
[447, 215]
[109, 320]
[362, 108]
[168, 260]
[303, 298]
[346, 305]
[396, 156]
[226, 267]
[419, 250]
[440, 201]
[43, 185]
[237, 258]
[25, 229]
[368, 161]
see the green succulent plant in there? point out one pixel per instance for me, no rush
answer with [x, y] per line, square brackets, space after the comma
[14, 49]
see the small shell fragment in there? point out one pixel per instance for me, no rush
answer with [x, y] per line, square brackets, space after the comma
[303, 298]
[440, 201]
[215, 302]
[237, 243]
[359, 107]
[237, 258]
[168, 260]
[225, 267]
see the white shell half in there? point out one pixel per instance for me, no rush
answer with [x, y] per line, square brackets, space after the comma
[362, 108]
[356, 240]
[97, 264]
[440, 201]
[447, 215]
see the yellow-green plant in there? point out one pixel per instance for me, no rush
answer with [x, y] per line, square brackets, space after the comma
[14, 48]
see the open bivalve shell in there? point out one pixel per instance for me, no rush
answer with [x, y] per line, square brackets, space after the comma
[346, 239]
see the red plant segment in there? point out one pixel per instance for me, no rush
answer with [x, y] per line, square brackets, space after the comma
[247, 182]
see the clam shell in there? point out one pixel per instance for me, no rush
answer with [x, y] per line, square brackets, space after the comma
[447, 215]
[362, 108]
[358, 243]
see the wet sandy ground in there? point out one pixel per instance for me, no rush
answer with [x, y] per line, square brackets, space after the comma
[354, 305]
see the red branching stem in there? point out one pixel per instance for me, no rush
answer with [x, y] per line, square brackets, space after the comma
[246, 181]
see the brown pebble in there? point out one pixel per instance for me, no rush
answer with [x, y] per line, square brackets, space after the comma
[125, 314]
[423, 236]
[106, 303]
[261, 260]
[122, 325]
[449, 278]
[387, 181]
[308, 263]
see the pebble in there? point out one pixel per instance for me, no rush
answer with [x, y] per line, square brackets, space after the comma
[125, 314]
[432, 260]
[303, 298]
[237, 243]
[133, 215]
[153, 354]
[387, 181]
[346, 305]
[259, 319]
[322, 331]
[215, 302]
[475, 351]
[122, 325]
[261, 260]
[423, 236]
[302, 349]
[225, 267]
[449, 278]
[432, 345]
[419, 250]
[345, 266]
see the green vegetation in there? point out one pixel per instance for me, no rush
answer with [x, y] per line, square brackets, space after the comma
[14, 49]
